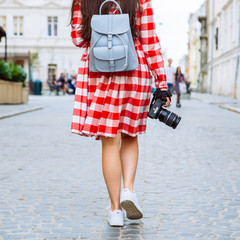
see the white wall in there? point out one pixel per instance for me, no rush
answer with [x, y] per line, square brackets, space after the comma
[51, 49]
[223, 62]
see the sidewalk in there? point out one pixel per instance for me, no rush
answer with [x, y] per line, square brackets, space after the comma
[227, 103]
[9, 110]
[35, 103]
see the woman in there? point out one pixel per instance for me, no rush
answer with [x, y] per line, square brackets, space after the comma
[179, 78]
[113, 107]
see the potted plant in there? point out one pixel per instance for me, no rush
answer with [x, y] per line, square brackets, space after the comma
[12, 84]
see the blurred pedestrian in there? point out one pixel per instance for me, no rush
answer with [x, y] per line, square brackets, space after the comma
[55, 84]
[170, 72]
[62, 83]
[71, 85]
[54, 80]
[113, 107]
[178, 78]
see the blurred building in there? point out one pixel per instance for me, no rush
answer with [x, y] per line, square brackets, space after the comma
[183, 63]
[224, 47]
[194, 56]
[203, 77]
[39, 30]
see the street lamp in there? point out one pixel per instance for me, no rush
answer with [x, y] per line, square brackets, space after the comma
[4, 34]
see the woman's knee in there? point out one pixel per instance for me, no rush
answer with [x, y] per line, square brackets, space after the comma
[115, 141]
[126, 136]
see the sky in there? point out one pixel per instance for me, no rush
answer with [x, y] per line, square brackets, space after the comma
[173, 30]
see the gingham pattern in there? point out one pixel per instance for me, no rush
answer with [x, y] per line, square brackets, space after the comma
[108, 103]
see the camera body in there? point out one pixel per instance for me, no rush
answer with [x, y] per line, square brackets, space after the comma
[158, 112]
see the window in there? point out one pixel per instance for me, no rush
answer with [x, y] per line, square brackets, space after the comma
[3, 21]
[221, 33]
[216, 38]
[18, 26]
[52, 26]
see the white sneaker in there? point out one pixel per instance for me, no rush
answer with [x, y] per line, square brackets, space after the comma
[115, 218]
[124, 212]
[129, 203]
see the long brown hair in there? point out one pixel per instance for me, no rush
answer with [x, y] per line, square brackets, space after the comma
[90, 7]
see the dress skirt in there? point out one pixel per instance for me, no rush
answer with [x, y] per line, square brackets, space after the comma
[109, 103]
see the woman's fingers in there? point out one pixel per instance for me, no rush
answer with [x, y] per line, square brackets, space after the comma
[168, 102]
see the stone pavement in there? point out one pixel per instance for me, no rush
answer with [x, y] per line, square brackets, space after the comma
[10, 110]
[188, 180]
[223, 102]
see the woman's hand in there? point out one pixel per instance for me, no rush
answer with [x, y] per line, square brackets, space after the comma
[168, 102]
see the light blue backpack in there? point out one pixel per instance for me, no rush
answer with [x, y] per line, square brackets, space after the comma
[112, 48]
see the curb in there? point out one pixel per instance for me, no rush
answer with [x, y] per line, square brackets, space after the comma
[230, 108]
[16, 113]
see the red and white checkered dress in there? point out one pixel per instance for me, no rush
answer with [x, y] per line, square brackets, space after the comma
[109, 103]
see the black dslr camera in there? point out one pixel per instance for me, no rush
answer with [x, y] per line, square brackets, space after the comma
[158, 112]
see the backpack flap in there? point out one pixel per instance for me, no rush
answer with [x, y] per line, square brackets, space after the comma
[109, 60]
[104, 24]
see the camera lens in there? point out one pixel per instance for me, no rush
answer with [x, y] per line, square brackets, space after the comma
[169, 118]
[163, 115]
[176, 122]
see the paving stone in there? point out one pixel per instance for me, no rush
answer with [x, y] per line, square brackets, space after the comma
[110, 234]
[131, 237]
[12, 237]
[236, 233]
[69, 235]
[131, 232]
[107, 228]
[89, 236]
[117, 238]
[226, 238]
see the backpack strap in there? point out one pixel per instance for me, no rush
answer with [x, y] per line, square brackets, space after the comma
[100, 10]
[91, 48]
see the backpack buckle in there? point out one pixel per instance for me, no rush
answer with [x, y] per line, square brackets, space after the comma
[110, 37]
[111, 65]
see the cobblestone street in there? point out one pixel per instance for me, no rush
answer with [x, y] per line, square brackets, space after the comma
[188, 180]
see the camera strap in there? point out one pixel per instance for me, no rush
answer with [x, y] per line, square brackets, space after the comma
[162, 95]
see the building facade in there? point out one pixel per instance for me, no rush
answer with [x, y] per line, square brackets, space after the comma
[194, 56]
[224, 47]
[203, 78]
[40, 31]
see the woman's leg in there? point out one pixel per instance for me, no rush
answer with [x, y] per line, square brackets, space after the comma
[178, 97]
[112, 168]
[129, 159]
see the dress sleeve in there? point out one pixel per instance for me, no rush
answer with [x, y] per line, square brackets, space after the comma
[151, 45]
[76, 27]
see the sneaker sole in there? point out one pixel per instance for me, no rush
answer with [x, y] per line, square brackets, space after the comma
[115, 225]
[132, 211]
